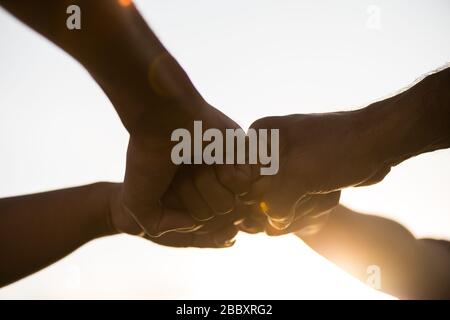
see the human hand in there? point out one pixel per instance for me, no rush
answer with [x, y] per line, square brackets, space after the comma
[319, 155]
[310, 217]
[217, 232]
[204, 191]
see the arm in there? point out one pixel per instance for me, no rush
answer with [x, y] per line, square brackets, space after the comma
[408, 124]
[37, 230]
[151, 93]
[409, 268]
[323, 153]
[120, 51]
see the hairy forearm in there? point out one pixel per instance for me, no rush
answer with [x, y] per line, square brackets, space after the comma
[409, 268]
[39, 229]
[410, 123]
[123, 55]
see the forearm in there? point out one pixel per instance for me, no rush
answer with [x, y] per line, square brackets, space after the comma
[410, 123]
[123, 55]
[107, 40]
[39, 229]
[409, 268]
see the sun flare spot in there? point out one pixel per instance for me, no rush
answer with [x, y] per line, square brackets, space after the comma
[125, 3]
[264, 207]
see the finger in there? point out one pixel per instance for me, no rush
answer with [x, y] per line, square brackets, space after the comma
[192, 200]
[317, 217]
[276, 203]
[220, 222]
[243, 177]
[140, 196]
[316, 204]
[255, 220]
[171, 199]
[173, 239]
[236, 175]
[218, 198]
[223, 239]
[257, 190]
[303, 226]
[377, 177]
[236, 178]
[170, 220]
[251, 226]
[310, 214]
[281, 199]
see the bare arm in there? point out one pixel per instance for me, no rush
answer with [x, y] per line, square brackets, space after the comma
[39, 229]
[324, 153]
[408, 124]
[121, 52]
[149, 90]
[410, 268]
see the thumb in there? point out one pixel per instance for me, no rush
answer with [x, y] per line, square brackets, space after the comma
[279, 202]
[170, 220]
[279, 199]
[176, 220]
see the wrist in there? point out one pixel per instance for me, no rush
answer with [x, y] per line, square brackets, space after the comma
[118, 219]
[390, 130]
[100, 220]
[410, 123]
[376, 125]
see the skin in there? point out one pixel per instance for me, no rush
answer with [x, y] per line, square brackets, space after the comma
[152, 96]
[181, 206]
[47, 226]
[321, 154]
[410, 268]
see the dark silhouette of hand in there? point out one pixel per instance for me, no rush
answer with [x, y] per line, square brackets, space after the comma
[319, 155]
[158, 197]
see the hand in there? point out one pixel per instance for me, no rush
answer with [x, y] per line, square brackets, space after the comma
[220, 239]
[202, 192]
[310, 217]
[218, 232]
[319, 155]
[153, 97]
[208, 191]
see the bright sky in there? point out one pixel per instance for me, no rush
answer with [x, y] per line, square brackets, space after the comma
[250, 59]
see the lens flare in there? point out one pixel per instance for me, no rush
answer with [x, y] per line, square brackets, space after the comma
[264, 207]
[125, 3]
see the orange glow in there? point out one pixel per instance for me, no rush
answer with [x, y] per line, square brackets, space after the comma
[264, 207]
[125, 3]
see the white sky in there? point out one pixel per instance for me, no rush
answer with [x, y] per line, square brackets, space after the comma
[250, 59]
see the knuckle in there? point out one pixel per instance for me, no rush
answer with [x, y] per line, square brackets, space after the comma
[225, 207]
[202, 178]
[227, 177]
